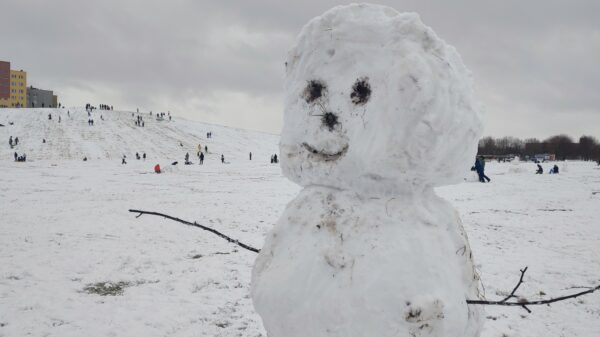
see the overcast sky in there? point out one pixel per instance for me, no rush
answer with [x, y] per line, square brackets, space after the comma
[536, 63]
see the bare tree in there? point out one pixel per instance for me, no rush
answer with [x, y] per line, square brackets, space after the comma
[563, 146]
[587, 147]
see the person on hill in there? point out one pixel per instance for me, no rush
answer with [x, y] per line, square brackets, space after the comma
[275, 160]
[206, 149]
[16, 140]
[180, 144]
[43, 140]
[10, 141]
[69, 113]
[555, 169]
[143, 123]
[16, 156]
[201, 158]
[59, 119]
[250, 155]
[144, 156]
[187, 158]
[137, 156]
[50, 116]
[483, 169]
[480, 168]
[123, 162]
[222, 159]
[540, 170]
[157, 168]
[271, 159]
[84, 158]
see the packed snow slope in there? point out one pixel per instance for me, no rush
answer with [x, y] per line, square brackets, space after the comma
[115, 135]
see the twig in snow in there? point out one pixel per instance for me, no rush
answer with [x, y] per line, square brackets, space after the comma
[512, 294]
[195, 224]
[523, 303]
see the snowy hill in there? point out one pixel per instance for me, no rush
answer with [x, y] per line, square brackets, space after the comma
[116, 134]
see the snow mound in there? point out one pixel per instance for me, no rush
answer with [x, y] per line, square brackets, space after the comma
[517, 168]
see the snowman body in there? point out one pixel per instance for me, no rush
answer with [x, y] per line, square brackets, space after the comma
[378, 112]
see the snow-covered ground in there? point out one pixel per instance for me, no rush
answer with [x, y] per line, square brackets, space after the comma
[64, 227]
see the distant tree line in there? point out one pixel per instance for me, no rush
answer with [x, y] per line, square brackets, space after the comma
[562, 146]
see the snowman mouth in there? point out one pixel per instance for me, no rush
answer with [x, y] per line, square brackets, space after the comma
[324, 155]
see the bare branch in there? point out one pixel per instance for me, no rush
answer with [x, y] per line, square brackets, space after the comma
[512, 294]
[523, 303]
[195, 224]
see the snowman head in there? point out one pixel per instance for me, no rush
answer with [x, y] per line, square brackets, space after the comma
[376, 103]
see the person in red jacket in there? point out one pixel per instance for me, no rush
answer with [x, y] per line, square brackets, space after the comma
[157, 168]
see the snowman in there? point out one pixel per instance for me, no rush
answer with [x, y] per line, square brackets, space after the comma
[378, 112]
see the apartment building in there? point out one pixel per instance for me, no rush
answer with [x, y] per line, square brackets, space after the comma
[40, 98]
[13, 87]
[18, 88]
[4, 84]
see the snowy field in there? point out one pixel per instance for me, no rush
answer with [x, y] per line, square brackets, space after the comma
[66, 235]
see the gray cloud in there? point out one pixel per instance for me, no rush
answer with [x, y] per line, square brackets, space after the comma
[534, 62]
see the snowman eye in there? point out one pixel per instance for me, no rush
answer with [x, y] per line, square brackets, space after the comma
[361, 91]
[314, 90]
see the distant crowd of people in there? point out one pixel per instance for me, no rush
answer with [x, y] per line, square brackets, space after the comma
[479, 167]
[139, 121]
[22, 157]
[161, 115]
[540, 169]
